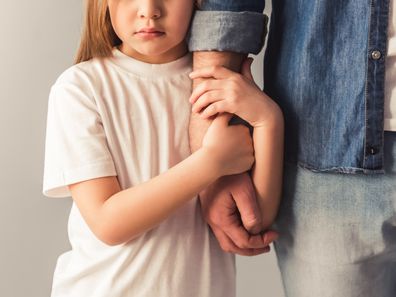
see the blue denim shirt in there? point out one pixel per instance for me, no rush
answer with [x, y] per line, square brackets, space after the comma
[324, 66]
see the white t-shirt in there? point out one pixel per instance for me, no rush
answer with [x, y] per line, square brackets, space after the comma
[390, 72]
[122, 117]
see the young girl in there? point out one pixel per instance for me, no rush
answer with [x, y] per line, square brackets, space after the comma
[117, 143]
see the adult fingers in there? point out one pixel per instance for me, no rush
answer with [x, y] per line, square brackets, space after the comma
[243, 195]
[245, 199]
[269, 236]
[228, 246]
[242, 239]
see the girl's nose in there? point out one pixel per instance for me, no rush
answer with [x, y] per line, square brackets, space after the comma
[150, 10]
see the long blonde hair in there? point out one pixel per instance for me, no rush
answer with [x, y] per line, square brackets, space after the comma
[98, 36]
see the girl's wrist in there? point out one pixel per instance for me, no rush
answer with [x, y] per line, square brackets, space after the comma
[208, 160]
[271, 116]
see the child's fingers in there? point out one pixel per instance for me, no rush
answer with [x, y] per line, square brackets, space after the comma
[205, 86]
[215, 108]
[206, 99]
[217, 72]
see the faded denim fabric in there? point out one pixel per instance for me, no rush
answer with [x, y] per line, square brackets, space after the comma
[338, 232]
[233, 5]
[324, 66]
[247, 29]
[242, 31]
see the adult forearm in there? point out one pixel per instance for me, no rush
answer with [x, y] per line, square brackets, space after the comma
[233, 61]
[267, 170]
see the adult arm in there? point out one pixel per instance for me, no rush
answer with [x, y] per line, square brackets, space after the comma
[229, 92]
[216, 27]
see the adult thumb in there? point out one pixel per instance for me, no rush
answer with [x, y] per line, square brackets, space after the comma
[248, 207]
[245, 69]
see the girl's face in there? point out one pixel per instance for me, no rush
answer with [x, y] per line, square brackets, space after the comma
[152, 31]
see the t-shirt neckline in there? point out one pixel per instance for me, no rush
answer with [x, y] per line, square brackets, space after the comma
[140, 68]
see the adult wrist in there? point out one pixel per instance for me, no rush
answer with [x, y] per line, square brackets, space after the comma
[230, 60]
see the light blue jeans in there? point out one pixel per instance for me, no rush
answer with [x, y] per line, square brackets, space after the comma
[338, 232]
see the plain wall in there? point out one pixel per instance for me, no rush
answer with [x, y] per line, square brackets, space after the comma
[38, 42]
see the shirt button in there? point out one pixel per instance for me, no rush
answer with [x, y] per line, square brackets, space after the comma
[372, 150]
[375, 55]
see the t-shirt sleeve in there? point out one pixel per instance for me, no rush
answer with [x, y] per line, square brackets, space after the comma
[76, 147]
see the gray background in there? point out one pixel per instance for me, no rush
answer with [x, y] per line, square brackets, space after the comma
[38, 42]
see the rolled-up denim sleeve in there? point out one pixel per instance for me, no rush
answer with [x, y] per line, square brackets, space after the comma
[229, 25]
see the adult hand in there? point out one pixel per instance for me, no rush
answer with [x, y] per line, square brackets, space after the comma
[230, 208]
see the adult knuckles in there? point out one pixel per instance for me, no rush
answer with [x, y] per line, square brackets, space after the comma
[241, 244]
[214, 217]
[252, 223]
[226, 248]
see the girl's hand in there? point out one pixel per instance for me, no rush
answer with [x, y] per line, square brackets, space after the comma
[230, 147]
[232, 92]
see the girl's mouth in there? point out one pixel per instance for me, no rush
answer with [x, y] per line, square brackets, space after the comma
[149, 33]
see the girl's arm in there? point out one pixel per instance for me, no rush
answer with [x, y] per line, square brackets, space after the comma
[267, 170]
[116, 216]
[234, 93]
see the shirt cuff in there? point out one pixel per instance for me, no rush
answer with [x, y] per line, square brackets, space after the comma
[240, 32]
